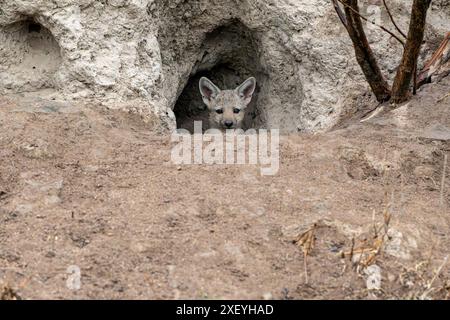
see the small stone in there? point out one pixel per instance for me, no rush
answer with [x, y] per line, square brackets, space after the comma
[373, 280]
[423, 171]
[50, 254]
[267, 296]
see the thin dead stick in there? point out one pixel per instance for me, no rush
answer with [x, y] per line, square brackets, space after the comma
[306, 242]
[393, 20]
[372, 22]
[443, 180]
[443, 98]
[374, 223]
[352, 250]
[437, 273]
[401, 210]
[306, 271]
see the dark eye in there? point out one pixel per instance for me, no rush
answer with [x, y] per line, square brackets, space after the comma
[219, 111]
[236, 110]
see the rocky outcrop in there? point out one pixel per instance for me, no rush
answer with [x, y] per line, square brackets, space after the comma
[150, 54]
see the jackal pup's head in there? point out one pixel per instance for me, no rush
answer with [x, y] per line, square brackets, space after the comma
[227, 107]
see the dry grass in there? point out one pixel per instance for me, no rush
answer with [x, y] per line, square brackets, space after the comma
[366, 252]
[306, 242]
[424, 280]
[443, 98]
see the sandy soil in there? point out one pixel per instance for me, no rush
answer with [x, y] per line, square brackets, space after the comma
[94, 188]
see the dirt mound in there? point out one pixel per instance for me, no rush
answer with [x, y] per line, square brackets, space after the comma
[90, 194]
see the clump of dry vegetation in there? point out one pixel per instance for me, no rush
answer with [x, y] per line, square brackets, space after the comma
[365, 253]
[306, 242]
[385, 276]
[8, 293]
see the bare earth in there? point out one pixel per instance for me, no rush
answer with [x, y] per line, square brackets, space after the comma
[94, 188]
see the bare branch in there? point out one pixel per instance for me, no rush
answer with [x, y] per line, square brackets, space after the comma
[363, 52]
[372, 22]
[407, 68]
[393, 21]
[433, 64]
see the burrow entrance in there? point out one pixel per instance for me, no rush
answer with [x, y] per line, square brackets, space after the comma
[231, 54]
[30, 57]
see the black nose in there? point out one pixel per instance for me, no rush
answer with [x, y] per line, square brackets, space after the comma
[228, 124]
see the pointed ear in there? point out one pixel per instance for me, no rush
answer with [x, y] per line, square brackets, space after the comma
[208, 90]
[246, 90]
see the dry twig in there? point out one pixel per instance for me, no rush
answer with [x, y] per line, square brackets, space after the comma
[372, 22]
[306, 241]
[393, 20]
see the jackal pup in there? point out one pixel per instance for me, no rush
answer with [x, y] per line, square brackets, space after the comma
[226, 107]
